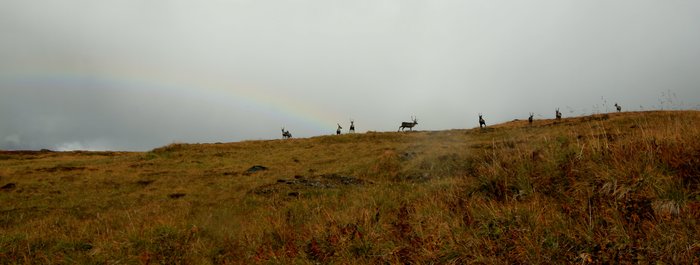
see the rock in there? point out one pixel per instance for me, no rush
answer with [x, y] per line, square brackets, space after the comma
[255, 168]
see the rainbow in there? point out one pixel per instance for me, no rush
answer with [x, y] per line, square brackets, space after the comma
[292, 112]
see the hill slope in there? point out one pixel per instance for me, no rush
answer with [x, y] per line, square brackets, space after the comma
[604, 188]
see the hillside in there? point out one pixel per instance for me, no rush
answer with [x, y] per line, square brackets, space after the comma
[619, 187]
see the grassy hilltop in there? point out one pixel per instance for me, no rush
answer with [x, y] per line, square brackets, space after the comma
[621, 187]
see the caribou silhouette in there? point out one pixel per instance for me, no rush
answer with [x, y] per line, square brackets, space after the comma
[558, 114]
[337, 131]
[482, 122]
[531, 118]
[408, 124]
[618, 107]
[286, 134]
[352, 126]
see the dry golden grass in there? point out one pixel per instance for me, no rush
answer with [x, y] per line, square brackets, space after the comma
[612, 188]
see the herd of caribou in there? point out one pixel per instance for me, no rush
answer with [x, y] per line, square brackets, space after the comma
[414, 122]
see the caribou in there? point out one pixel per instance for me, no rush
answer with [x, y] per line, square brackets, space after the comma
[482, 122]
[408, 124]
[337, 131]
[531, 118]
[352, 126]
[286, 134]
[558, 114]
[618, 107]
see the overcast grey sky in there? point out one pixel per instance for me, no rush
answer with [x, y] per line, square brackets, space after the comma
[134, 74]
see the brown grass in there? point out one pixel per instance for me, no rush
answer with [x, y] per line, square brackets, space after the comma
[612, 188]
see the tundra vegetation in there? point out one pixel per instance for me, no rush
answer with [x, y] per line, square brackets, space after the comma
[619, 187]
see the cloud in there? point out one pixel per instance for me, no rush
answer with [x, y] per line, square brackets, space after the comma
[74, 146]
[11, 141]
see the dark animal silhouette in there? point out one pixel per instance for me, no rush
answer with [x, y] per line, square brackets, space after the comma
[286, 134]
[337, 131]
[558, 114]
[618, 107]
[408, 124]
[482, 122]
[352, 126]
[531, 118]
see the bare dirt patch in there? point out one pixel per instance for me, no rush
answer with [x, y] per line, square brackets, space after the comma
[8, 186]
[293, 187]
[60, 168]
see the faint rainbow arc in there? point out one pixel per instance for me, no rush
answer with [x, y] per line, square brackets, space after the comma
[280, 108]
